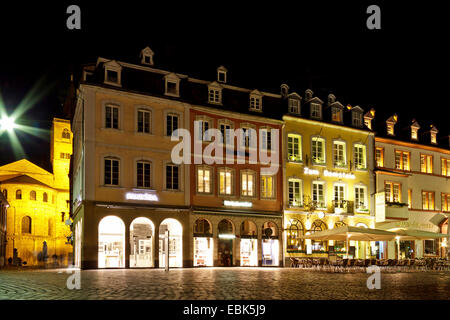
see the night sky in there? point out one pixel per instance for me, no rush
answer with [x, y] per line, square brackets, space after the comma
[323, 46]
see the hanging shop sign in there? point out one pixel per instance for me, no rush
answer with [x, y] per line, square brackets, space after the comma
[141, 196]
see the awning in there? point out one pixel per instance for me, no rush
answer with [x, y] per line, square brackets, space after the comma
[411, 234]
[352, 233]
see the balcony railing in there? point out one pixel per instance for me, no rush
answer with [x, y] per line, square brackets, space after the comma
[343, 206]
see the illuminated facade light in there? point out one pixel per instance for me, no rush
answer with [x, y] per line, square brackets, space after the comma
[7, 123]
[321, 215]
[229, 203]
[141, 196]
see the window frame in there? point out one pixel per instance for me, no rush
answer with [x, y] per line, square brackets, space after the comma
[402, 154]
[217, 94]
[313, 106]
[172, 78]
[323, 183]
[300, 181]
[357, 115]
[255, 102]
[295, 158]
[225, 122]
[252, 173]
[427, 156]
[391, 195]
[205, 119]
[144, 109]
[263, 193]
[381, 149]
[172, 113]
[112, 105]
[233, 181]
[446, 172]
[143, 161]
[355, 162]
[211, 179]
[427, 207]
[111, 158]
[313, 161]
[294, 104]
[366, 202]
[344, 153]
[166, 187]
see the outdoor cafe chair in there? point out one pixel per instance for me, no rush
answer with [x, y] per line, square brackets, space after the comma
[411, 264]
[350, 265]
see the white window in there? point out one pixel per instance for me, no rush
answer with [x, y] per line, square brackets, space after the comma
[172, 121]
[316, 111]
[248, 183]
[226, 181]
[360, 198]
[267, 187]
[111, 171]
[203, 126]
[318, 194]
[294, 106]
[144, 118]
[339, 195]
[143, 174]
[214, 95]
[266, 138]
[255, 103]
[204, 179]
[339, 154]
[111, 116]
[318, 150]
[172, 176]
[336, 114]
[295, 192]
[360, 156]
[294, 147]
[356, 119]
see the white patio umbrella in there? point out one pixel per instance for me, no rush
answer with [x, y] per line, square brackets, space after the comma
[411, 234]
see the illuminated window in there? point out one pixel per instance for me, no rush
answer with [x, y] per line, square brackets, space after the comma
[414, 133]
[339, 154]
[294, 106]
[318, 193]
[172, 121]
[144, 121]
[267, 187]
[379, 157]
[226, 181]
[143, 174]
[66, 134]
[445, 199]
[336, 114]
[318, 226]
[433, 138]
[294, 231]
[33, 195]
[445, 167]
[172, 176]
[339, 195]
[19, 194]
[427, 200]
[26, 224]
[111, 175]
[360, 198]
[294, 147]
[316, 111]
[248, 183]
[111, 117]
[204, 176]
[409, 198]
[45, 197]
[295, 192]
[390, 129]
[266, 138]
[318, 150]
[426, 163]
[402, 160]
[255, 103]
[360, 156]
[392, 191]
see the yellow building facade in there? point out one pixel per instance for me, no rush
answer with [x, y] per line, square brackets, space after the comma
[39, 204]
[328, 178]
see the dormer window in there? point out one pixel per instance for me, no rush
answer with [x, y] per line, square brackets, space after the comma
[172, 85]
[336, 114]
[433, 133]
[368, 117]
[414, 128]
[390, 129]
[390, 123]
[214, 93]
[294, 106]
[316, 110]
[255, 101]
[356, 118]
[113, 73]
[147, 56]
[222, 74]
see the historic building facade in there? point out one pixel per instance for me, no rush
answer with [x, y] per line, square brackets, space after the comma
[412, 186]
[39, 204]
[3, 206]
[328, 174]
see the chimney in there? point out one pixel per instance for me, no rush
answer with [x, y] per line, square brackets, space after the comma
[222, 74]
[284, 90]
[368, 117]
[390, 123]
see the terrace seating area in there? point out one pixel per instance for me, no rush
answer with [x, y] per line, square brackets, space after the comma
[360, 265]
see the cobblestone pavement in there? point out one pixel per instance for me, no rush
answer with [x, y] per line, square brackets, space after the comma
[221, 283]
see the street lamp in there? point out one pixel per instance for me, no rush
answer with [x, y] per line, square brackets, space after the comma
[7, 124]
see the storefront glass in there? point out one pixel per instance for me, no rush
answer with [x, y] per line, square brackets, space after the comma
[203, 243]
[141, 243]
[111, 243]
[270, 244]
[406, 249]
[226, 238]
[175, 243]
[249, 252]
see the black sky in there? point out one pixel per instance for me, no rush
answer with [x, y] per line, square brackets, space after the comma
[321, 45]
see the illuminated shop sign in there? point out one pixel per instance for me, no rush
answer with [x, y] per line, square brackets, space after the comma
[227, 236]
[237, 203]
[310, 171]
[141, 196]
[344, 175]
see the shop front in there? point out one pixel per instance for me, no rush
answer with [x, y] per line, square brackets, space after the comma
[175, 243]
[203, 243]
[225, 243]
[249, 244]
[141, 243]
[270, 245]
[111, 243]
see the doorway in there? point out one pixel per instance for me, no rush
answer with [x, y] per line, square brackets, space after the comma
[225, 248]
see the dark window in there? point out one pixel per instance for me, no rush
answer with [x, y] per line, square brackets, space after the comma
[147, 59]
[430, 247]
[112, 76]
[19, 194]
[144, 117]
[33, 195]
[5, 193]
[26, 224]
[171, 87]
[45, 197]
[143, 174]
[111, 172]
[112, 117]
[66, 134]
[172, 123]
[172, 177]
